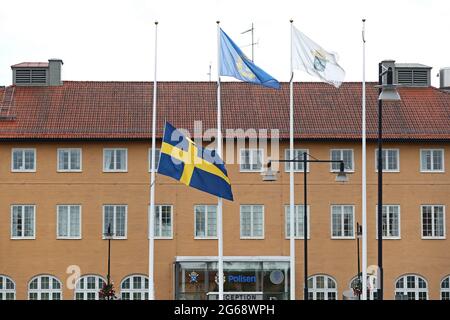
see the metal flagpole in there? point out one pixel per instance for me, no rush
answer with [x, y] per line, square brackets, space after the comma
[219, 153]
[151, 241]
[364, 181]
[291, 179]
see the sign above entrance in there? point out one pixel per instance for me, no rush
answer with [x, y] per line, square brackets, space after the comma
[236, 295]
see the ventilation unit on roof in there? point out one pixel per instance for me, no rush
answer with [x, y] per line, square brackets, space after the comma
[412, 74]
[38, 73]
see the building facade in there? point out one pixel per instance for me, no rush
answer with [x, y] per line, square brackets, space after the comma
[75, 159]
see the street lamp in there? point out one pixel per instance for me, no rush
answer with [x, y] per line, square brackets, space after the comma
[269, 175]
[109, 235]
[387, 92]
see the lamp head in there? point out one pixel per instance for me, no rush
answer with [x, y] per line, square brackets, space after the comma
[342, 175]
[269, 174]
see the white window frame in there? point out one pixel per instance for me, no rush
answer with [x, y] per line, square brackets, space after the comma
[23, 150]
[114, 222]
[160, 224]
[143, 290]
[314, 290]
[445, 290]
[7, 291]
[23, 221]
[252, 237]
[341, 152]
[115, 156]
[50, 291]
[207, 212]
[70, 156]
[385, 160]
[422, 170]
[416, 288]
[296, 164]
[432, 222]
[399, 222]
[251, 150]
[85, 290]
[68, 222]
[296, 232]
[157, 151]
[342, 222]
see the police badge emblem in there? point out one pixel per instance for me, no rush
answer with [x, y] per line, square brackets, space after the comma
[320, 60]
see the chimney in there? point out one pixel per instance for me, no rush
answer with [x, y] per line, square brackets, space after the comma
[54, 72]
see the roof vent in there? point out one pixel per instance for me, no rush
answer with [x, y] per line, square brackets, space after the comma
[38, 73]
[412, 74]
[444, 78]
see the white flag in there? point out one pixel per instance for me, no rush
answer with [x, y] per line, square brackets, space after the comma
[312, 58]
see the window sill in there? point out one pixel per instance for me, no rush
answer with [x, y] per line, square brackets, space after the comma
[250, 171]
[65, 171]
[23, 171]
[343, 238]
[68, 238]
[163, 238]
[23, 238]
[434, 238]
[432, 171]
[205, 238]
[252, 238]
[115, 171]
[298, 238]
[115, 238]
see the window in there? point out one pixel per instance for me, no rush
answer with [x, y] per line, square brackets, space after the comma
[116, 217]
[157, 156]
[322, 287]
[205, 221]
[7, 288]
[411, 287]
[88, 287]
[23, 221]
[342, 221]
[345, 155]
[23, 160]
[45, 287]
[432, 160]
[433, 222]
[445, 288]
[298, 155]
[163, 221]
[251, 160]
[252, 221]
[390, 160]
[69, 222]
[134, 287]
[391, 221]
[299, 210]
[69, 160]
[115, 160]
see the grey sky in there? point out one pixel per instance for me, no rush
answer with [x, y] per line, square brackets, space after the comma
[114, 40]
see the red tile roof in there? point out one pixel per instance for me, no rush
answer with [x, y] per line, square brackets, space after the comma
[106, 110]
[31, 65]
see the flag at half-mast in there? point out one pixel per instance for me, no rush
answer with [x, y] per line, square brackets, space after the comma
[313, 59]
[196, 167]
[234, 63]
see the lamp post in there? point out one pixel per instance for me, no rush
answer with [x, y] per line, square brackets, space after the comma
[387, 92]
[269, 175]
[109, 235]
[358, 236]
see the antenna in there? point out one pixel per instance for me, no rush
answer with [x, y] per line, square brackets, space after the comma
[252, 29]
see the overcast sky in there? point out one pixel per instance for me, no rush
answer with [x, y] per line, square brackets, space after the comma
[111, 40]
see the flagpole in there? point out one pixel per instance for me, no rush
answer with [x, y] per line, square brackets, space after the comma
[219, 151]
[291, 181]
[364, 180]
[151, 241]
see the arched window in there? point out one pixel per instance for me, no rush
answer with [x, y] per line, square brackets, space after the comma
[411, 287]
[44, 287]
[371, 292]
[7, 288]
[88, 287]
[445, 288]
[134, 287]
[322, 287]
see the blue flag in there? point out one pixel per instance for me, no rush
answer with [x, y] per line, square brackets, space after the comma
[194, 166]
[234, 63]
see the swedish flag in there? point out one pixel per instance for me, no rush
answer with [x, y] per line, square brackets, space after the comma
[196, 167]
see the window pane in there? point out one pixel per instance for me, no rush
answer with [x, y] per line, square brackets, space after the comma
[29, 221]
[166, 221]
[75, 159]
[246, 221]
[75, 221]
[29, 159]
[257, 221]
[245, 159]
[200, 221]
[256, 159]
[336, 221]
[109, 160]
[120, 221]
[109, 219]
[63, 214]
[212, 220]
[426, 160]
[18, 160]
